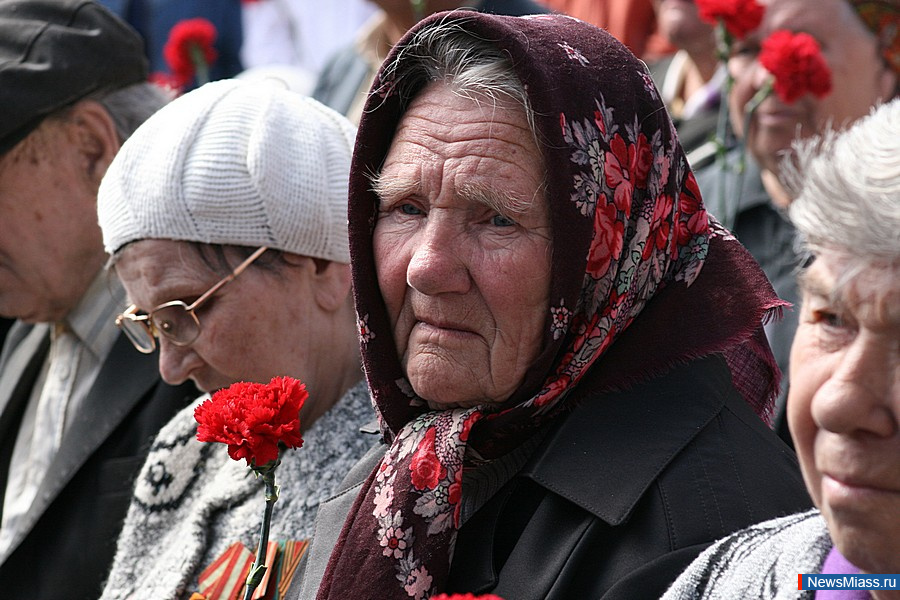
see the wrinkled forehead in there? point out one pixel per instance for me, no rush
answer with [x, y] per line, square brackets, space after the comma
[157, 259]
[566, 67]
[490, 140]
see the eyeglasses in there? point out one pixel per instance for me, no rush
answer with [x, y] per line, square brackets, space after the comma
[175, 320]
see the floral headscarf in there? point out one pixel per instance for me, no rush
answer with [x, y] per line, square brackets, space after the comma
[641, 281]
[882, 17]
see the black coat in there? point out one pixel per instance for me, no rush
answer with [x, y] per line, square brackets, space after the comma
[627, 490]
[617, 498]
[80, 507]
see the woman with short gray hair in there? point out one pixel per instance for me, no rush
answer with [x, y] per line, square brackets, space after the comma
[844, 402]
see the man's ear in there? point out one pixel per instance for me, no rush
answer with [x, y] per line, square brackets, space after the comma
[95, 134]
[330, 280]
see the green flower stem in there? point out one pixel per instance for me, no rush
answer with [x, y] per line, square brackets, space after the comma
[418, 7]
[721, 141]
[199, 60]
[749, 109]
[723, 42]
[723, 46]
[258, 568]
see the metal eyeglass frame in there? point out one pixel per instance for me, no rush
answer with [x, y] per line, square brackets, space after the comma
[146, 321]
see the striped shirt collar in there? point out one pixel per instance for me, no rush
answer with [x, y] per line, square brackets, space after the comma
[92, 320]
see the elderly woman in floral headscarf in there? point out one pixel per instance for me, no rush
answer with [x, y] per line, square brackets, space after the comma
[565, 353]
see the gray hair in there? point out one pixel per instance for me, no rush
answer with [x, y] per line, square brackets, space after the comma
[847, 188]
[130, 106]
[473, 67]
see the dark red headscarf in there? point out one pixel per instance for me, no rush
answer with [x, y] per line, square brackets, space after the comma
[641, 281]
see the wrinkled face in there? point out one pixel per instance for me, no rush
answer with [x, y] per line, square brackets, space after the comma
[844, 408]
[250, 330]
[860, 77]
[462, 247]
[50, 244]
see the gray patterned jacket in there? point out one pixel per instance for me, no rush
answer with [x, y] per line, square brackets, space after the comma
[761, 561]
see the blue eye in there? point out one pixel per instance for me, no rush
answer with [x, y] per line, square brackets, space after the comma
[409, 209]
[501, 221]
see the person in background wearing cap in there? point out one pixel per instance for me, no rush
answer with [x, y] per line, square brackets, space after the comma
[245, 183]
[78, 405]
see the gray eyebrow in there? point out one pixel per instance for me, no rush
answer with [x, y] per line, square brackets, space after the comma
[502, 201]
[385, 188]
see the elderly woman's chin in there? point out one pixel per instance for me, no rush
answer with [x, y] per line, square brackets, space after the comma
[869, 540]
[448, 382]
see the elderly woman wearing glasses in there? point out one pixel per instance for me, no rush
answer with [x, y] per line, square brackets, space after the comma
[225, 216]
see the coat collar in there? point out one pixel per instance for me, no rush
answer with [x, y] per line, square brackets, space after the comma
[125, 377]
[609, 450]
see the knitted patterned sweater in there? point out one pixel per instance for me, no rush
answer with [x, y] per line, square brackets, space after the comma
[191, 501]
[761, 562]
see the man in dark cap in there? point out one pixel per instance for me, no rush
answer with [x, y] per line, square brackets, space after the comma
[78, 405]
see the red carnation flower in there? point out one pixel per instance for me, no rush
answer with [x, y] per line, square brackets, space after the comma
[796, 62]
[253, 419]
[740, 17]
[189, 50]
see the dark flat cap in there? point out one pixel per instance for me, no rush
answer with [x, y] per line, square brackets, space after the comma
[56, 52]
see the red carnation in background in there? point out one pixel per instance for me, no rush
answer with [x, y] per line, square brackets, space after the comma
[740, 17]
[796, 62]
[253, 419]
[189, 50]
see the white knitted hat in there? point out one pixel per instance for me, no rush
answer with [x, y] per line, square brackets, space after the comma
[239, 163]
